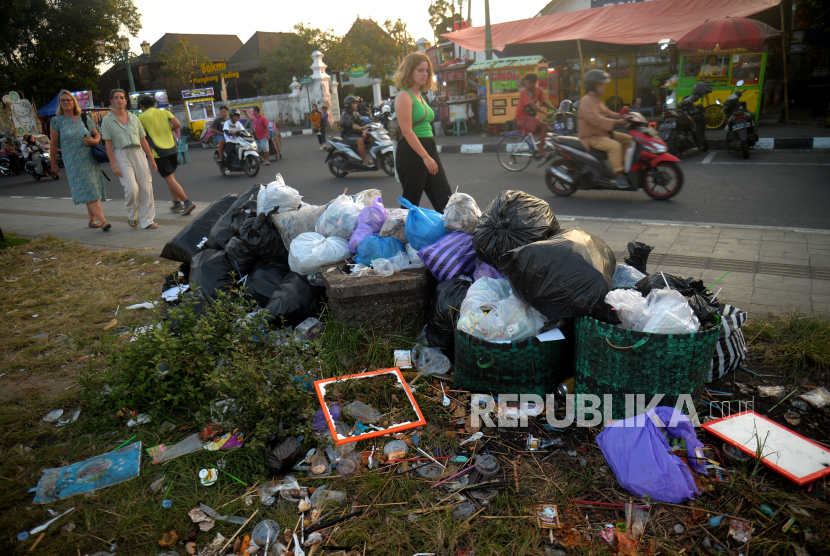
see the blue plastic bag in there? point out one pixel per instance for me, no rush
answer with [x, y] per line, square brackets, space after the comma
[423, 226]
[376, 247]
[640, 456]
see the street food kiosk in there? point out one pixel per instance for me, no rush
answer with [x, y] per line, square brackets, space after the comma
[504, 83]
[199, 106]
[722, 70]
[458, 92]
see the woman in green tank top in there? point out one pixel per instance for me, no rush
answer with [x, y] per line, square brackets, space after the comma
[416, 159]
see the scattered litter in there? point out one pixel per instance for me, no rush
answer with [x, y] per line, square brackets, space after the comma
[168, 539]
[139, 419]
[740, 530]
[403, 359]
[161, 453]
[110, 324]
[430, 360]
[818, 397]
[208, 476]
[53, 416]
[171, 294]
[792, 417]
[213, 514]
[265, 533]
[146, 304]
[772, 391]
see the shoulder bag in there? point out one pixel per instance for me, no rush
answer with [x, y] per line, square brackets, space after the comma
[99, 151]
[395, 127]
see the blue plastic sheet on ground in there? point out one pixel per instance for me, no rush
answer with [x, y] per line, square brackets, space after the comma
[93, 474]
[423, 226]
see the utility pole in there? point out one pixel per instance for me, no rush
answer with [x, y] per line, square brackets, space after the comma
[488, 39]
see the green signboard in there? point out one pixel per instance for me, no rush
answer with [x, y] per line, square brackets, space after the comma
[305, 80]
[357, 71]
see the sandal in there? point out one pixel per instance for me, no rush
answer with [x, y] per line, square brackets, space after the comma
[94, 223]
[152, 226]
[105, 226]
[133, 223]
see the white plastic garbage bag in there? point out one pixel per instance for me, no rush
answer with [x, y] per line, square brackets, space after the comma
[366, 197]
[310, 251]
[491, 312]
[414, 260]
[669, 313]
[340, 218]
[277, 194]
[388, 267]
[626, 276]
[395, 225]
[461, 213]
[630, 305]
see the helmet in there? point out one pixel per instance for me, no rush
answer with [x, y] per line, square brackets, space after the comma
[566, 106]
[350, 99]
[386, 109]
[594, 78]
[701, 88]
[234, 112]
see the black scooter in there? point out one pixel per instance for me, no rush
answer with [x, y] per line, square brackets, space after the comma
[684, 127]
[12, 165]
[741, 131]
[45, 164]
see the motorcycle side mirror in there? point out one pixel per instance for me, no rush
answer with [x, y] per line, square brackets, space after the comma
[670, 101]
[739, 83]
[717, 101]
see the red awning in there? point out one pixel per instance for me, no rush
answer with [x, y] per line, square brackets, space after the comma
[634, 24]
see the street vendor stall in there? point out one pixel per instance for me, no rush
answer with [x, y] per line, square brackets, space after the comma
[504, 77]
[458, 91]
[198, 104]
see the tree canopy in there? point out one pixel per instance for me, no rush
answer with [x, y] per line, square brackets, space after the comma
[48, 45]
[441, 17]
[183, 63]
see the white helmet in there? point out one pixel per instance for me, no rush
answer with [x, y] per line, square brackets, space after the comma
[386, 109]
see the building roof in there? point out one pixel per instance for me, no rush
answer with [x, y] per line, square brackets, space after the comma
[216, 47]
[364, 23]
[249, 56]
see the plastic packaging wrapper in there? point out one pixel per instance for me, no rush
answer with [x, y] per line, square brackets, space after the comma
[662, 312]
[693, 290]
[414, 259]
[450, 256]
[293, 300]
[512, 220]
[626, 277]
[395, 225]
[423, 226]
[362, 412]
[491, 312]
[263, 238]
[630, 305]
[565, 276]
[461, 214]
[162, 453]
[213, 514]
[240, 256]
[183, 247]
[369, 222]
[291, 224]
[223, 230]
[484, 269]
[211, 272]
[731, 349]
[263, 279]
[638, 256]
[388, 267]
[429, 360]
[340, 218]
[366, 197]
[277, 195]
[375, 247]
[307, 330]
[439, 331]
[311, 250]
[639, 454]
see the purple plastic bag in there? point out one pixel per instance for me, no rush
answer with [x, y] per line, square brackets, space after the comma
[641, 459]
[450, 256]
[485, 270]
[369, 223]
[319, 422]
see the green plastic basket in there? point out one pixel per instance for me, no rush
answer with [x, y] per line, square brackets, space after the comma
[524, 367]
[613, 360]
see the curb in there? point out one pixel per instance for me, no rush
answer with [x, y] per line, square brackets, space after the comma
[296, 132]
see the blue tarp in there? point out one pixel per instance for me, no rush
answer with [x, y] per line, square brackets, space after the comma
[50, 109]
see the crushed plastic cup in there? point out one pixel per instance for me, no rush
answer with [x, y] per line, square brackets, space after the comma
[396, 449]
[430, 471]
[464, 510]
[349, 465]
[487, 465]
[265, 531]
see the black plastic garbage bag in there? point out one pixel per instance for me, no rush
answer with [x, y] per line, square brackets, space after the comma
[443, 314]
[693, 289]
[293, 300]
[241, 214]
[210, 272]
[264, 278]
[565, 276]
[264, 238]
[227, 227]
[638, 255]
[512, 220]
[183, 247]
[240, 256]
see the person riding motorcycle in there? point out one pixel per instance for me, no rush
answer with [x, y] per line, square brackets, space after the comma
[231, 129]
[351, 125]
[596, 124]
[31, 150]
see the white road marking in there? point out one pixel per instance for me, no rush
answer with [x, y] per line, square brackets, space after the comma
[708, 158]
[765, 143]
[778, 163]
[821, 142]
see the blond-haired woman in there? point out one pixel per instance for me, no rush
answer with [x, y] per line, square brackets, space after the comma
[74, 138]
[416, 160]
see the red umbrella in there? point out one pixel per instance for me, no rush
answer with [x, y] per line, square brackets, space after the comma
[727, 33]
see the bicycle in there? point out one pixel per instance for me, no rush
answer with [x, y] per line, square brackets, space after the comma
[516, 150]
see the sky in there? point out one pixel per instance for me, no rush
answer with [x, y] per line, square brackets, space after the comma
[221, 17]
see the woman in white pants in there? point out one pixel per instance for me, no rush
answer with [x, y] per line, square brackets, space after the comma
[131, 160]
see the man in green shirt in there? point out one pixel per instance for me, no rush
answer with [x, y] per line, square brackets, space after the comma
[159, 125]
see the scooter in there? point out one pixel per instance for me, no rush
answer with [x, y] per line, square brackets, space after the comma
[648, 165]
[241, 156]
[343, 158]
[684, 127]
[741, 131]
[45, 164]
[9, 165]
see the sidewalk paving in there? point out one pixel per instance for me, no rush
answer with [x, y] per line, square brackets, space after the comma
[773, 270]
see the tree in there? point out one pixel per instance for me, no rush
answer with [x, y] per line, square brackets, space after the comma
[183, 63]
[371, 47]
[400, 35]
[336, 54]
[441, 17]
[48, 45]
[291, 58]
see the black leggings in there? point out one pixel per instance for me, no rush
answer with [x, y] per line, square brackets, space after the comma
[322, 137]
[416, 179]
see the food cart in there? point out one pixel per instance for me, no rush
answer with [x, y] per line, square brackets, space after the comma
[459, 93]
[504, 77]
[722, 70]
[198, 104]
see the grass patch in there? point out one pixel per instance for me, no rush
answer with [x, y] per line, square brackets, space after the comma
[12, 240]
[796, 344]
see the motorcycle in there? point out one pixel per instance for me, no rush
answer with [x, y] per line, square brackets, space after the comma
[343, 158]
[12, 165]
[741, 131]
[210, 135]
[45, 164]
[241, 156]
[684, 127]
[648, 165]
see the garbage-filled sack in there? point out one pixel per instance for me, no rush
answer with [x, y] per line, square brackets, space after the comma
[182, 247]
[693, 289]
[512, 220]
[387, 267]
[376, 247]
[277, 195]
[263, 279]
[423, 226]
[491, 312]
[662, 312]
[461, 213]
[366, 197]
[626, 276]
[439, 331]
[240, 256]
[638, 255]
[395, 225]
[565, 276]
[450, 256]
[291, 224]
[429, 361]
[484, 269]
[263, 238]
[210, 272]
[242, 213]
[293, 300]
[223, 230]
[638, 453]
[310, 251]
[731, 349]
[340, 218]
[369, 222]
